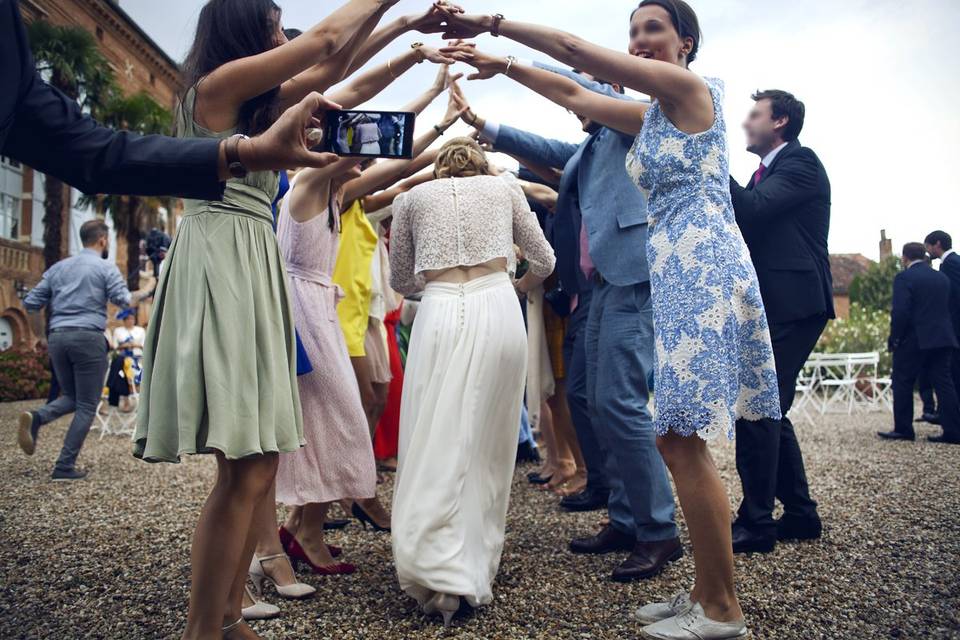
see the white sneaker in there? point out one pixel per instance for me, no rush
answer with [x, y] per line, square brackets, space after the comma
[693, 624]
[658, 611]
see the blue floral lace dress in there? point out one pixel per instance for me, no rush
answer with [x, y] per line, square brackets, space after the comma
[714, 363]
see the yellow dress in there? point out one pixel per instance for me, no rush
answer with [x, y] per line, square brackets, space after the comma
[353, 273]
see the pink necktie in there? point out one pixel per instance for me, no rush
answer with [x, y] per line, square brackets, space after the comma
[758, 174]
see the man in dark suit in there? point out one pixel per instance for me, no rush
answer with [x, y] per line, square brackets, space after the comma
[922, 338]
[939, 245]
[41, 127]
[784, 215]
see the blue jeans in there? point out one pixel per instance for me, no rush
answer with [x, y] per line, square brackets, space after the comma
[620, 336]
[575, 359]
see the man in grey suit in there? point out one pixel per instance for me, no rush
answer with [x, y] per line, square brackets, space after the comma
[618, 336]
[75, 292]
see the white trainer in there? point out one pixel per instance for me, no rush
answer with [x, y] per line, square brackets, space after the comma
[657, 611]
[693, 624]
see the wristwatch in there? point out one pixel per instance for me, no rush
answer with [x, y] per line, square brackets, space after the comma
[495, 27]
[420, 54]
[232, 152]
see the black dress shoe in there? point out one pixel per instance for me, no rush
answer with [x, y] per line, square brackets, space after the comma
[895, 435]
[932, 418]
[607, 541]
[648, 559]
[586, 500]
[68, 475]
[943, 440]
[746, 542]
[794, 528]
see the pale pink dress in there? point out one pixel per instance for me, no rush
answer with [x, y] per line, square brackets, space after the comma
[337, 461]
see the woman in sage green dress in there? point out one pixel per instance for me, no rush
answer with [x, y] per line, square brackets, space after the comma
[219, 359]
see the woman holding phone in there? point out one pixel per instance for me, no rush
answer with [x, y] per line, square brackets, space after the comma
[219, 358]
[714, 360]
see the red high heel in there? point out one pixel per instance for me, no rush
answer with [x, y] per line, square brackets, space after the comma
[286, 538]
[298, 555]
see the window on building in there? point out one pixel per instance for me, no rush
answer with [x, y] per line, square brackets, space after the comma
[11, 190]
[100, 34]
[153, 80]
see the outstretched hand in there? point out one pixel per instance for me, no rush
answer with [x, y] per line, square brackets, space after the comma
[487, 65]
[284, 145]
[457, 24]
[436, 56]
[434, 19]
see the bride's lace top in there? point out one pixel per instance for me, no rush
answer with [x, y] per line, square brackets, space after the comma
[462, 222]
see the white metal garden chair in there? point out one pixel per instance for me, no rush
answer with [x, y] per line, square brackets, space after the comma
[110, 420]
[805, 395]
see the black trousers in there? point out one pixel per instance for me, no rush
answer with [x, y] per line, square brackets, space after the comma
[769, 461]
[908, 363]
[926, 393]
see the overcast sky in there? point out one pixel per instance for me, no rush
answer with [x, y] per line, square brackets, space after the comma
[879, 79]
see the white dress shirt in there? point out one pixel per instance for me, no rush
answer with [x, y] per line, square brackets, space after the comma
[770, 157]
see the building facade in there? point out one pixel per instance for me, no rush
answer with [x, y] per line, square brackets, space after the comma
[138, 64]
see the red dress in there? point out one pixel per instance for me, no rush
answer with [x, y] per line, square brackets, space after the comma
[385, 440]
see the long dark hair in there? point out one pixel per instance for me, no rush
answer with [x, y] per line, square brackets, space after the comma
[684, 20]
[229, 30]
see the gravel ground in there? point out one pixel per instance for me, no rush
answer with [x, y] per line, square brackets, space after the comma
[109, 557]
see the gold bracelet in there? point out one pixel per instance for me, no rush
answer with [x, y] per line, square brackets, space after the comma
[473, 122]
[390, 69]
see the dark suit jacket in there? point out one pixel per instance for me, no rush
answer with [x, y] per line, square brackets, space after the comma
[920, 299]
[785, 220]
[44, 129]
[950, 267]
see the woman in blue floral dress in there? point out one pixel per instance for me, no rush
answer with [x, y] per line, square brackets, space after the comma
[714, 359]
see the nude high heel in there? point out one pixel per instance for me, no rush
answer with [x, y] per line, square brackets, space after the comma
[257, 611]
[442, 604]
[259, 577]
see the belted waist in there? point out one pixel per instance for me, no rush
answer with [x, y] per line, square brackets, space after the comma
[316, 277]
[238, 199]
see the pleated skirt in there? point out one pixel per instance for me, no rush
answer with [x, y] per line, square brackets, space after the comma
[220, 353]
[459, 422]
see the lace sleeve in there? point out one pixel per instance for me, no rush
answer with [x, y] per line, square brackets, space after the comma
[528, 235]
[402, 253]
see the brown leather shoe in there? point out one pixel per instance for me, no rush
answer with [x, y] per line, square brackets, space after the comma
[607, 541]
[648, 559]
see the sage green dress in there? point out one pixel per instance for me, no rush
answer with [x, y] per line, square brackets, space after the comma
[220, 354]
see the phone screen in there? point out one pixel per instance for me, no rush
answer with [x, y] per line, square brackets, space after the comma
[369, 134]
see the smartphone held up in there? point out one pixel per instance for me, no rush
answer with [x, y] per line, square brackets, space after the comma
[367, 134]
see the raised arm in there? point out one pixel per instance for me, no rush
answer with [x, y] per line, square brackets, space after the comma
[320, 77]
[552, 154]
[541, 194]
[366, 86]
[385, 198]
[622, 115]
[226, 88]
[427, 21]
[684, 97]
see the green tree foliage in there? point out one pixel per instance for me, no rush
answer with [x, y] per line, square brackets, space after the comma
[69, 58]
[874, 289]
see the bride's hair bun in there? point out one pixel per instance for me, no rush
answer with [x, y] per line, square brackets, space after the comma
[461, 158]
